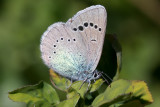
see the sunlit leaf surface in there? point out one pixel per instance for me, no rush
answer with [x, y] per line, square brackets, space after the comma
[122, 91]
[39, 94]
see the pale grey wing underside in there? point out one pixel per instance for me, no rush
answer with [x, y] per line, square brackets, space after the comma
[90, 24]
[61, 50]
[75, 46]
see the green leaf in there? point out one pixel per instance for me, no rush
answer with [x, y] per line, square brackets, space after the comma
[116, 92]
[71, 94]
[41, 93]
[134, 103]
[122, 91]
[140, 90]
[82, 90]
[59, 82]
[95, 86]
[116, 102]
[119, 64]
[39, 104]
[69, 102]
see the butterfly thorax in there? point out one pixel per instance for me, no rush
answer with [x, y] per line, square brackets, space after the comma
[88, 76]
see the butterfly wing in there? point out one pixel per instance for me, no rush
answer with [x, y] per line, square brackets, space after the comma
[62, 52]
[75, 46]
[90, 24]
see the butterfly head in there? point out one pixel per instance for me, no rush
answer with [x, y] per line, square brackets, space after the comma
[88, 77]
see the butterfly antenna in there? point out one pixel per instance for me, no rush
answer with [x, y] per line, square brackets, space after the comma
[106, 79]
[107, 76]
[70, 83]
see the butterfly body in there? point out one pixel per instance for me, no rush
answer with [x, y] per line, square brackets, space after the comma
[73, 49]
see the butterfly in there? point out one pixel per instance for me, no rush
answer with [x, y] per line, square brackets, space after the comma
[73, 49]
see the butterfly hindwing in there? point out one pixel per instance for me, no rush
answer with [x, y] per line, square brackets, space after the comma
[61, 51]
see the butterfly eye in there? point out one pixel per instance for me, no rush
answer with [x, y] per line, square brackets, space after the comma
[61, 38]
[95, 75]
[100, 29]
[54, 45]
[74, 39]
[69, 40]
[49, 56]
[54, 52]
[57, 41]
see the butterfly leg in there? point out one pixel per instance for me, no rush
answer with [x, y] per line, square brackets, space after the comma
[70, 83]
[105, 78]
[83, 82]
[89, 83]
[94, 80]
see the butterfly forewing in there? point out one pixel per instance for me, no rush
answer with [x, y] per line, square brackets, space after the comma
[91, 25]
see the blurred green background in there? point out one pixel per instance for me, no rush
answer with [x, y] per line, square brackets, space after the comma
[22, 22]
